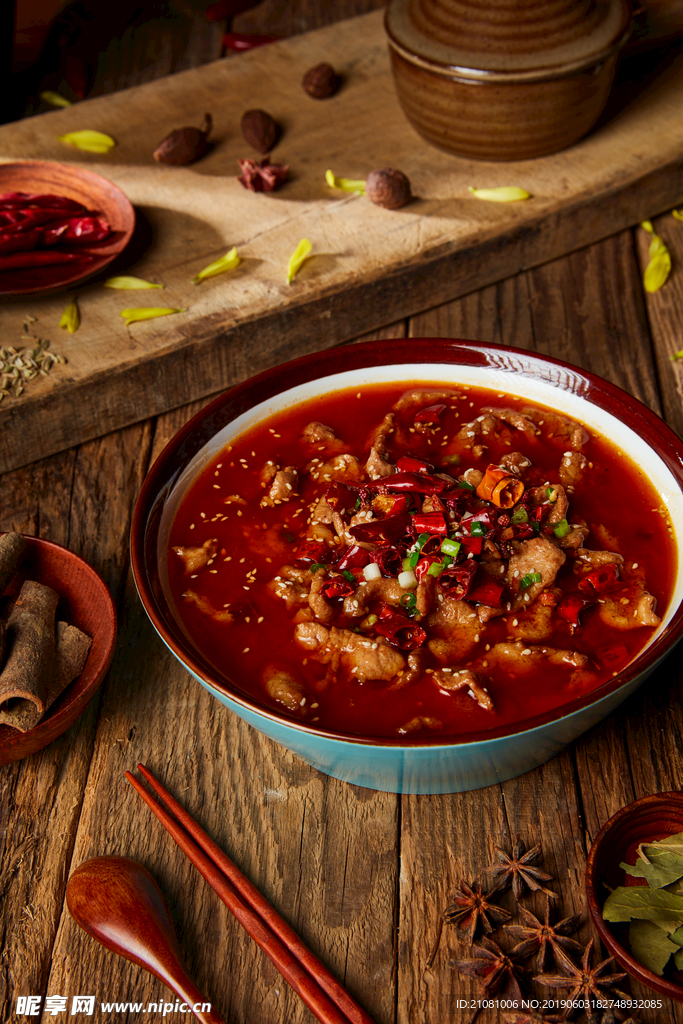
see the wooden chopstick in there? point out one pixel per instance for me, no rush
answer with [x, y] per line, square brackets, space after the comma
[308, 976]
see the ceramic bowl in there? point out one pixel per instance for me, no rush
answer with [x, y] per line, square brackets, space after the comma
[504, 81]
[84, 186]
[647, 820]
[85, 602]
[481, 759]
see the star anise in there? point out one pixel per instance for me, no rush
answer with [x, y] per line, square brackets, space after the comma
[262, 177]
[499, 972]
[587, 984]
[517, 870]
[470, 907]
[544, 939]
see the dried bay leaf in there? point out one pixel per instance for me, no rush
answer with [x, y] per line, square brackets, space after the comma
[651, 946]
[89, 140]
[147, 313]
[220, 266]
[345, 184]
[300, 254]
[71, 318]
[666, 862]
[502, 194]
[640, 902]
[129, 283]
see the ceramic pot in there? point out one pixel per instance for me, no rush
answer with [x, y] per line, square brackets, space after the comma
[506, 81]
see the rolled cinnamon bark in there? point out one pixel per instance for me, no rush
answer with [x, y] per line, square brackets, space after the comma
[30, 661]
[12, 547]
[71, 653]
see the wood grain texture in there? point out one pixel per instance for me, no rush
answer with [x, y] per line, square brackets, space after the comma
[369, 265]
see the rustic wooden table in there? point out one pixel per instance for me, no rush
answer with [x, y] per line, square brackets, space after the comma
[363, 876]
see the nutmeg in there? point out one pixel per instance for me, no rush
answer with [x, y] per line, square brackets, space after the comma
[260, 130]
[184, 145]
[321, 81]
[388, 188]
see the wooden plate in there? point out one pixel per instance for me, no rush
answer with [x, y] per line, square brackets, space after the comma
[96, 193]
[85, 602]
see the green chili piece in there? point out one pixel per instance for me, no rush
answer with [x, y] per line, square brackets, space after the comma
[520, 516]
[465, 485]
[478, 529]
[562, 528]
[450, 547]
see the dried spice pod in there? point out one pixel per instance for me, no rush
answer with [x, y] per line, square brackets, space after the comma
[184, 145]
[501, 487]
[321, 81]
[260, 130]
[388, 188]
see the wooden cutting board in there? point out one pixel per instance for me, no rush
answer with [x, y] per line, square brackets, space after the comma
[369, 266]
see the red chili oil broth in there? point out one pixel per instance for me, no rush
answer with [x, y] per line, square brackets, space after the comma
[612, 493]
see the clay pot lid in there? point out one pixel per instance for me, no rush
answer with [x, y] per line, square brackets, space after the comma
[517, 38]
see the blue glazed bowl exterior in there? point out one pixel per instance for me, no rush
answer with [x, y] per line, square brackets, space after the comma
[405, 766]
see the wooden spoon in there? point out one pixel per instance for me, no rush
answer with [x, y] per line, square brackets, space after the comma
[117, 901]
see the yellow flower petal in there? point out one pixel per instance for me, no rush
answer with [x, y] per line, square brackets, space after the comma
[297, 258]
[227, 262]
[71, 318]
[677, 355]
[656, 272]
[129, 283]
[503, 194]
[657, 247]
[90, 141]
[677, 214]
[345, 184]
[55, 99]
[146, 313]
[647, 224]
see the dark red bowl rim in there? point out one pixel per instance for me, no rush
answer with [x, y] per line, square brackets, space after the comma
[652, 803]
[206, 423]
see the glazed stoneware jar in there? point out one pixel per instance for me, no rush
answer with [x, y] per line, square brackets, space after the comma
[508, 80]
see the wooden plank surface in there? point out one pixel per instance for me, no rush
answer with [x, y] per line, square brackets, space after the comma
[362, 875]
[370, 266]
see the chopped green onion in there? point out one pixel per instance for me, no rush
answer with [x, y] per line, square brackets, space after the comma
[478, 529]
[550, 494]
[412, 561]
[422, 540]
[315, 566]
[348, 575]
[562, 528]
[408, 601]
[452, 460]
[435, 568]
[520, 516]
[535, 526]
[531, 577]
[446, 560]
[450, 547]
[289, 537]
[358, 502]
[465, 485]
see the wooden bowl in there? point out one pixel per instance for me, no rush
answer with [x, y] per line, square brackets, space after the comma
[647, 820]
[85, 602]
[94, 192]
[506, 81]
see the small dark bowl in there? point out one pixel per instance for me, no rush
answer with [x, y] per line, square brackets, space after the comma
[94, 192]
[85, 602]
[647, 820]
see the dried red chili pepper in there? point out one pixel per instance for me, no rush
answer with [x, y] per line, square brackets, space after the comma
[431, 522]
[39, 258]
[399, 629]
[21, 242]
[486, 591]
[388, 559]
[420, 483]
[353, 558]
[78, 230]
[456, 580]
[600, 580]
[570, 608]
[411, 464]
[431, 414]
[23, 200]
[393, 528]
[336, 588]
[241, 41]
